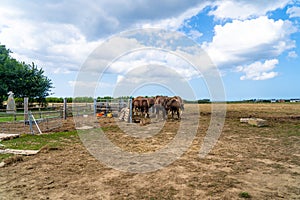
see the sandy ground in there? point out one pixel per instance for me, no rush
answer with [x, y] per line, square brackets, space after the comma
[261, 162]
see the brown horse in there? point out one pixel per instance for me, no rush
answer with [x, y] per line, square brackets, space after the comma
[179, 99]
[173, 105]
[151, 102]
[159, 105]
[140, 105]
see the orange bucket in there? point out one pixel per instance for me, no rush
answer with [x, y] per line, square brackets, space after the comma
[99, 114]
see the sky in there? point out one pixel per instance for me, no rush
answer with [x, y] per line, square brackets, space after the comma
[229, 49]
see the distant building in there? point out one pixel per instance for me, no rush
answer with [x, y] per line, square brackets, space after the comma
[294, 100]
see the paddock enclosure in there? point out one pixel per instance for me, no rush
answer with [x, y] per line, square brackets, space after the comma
[52, 117]
[45, 119]
[246, 162]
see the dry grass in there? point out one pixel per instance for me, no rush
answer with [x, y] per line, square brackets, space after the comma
[247, 161]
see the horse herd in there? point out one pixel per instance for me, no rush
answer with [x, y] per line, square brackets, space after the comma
[164, 104]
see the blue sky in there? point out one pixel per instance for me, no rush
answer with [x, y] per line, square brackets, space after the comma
[254, 44]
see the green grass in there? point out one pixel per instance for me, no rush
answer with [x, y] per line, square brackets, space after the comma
[11, 118]
[19, 116]
[245, 195]
[5, 156]
[36, 142]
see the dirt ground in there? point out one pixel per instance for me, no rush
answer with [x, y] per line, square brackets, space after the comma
[247, 162]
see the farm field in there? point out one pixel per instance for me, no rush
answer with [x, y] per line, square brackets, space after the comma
[246, 162]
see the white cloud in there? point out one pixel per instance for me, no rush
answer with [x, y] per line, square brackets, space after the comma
[120, 78]
[293, 11]
[135, 49]
[240, 9]
[59, 36]
[108, 52]
[55, 47]
[101, 18]
[174, 22]
[153, 76]
[248, 40]
[194, 34]
[258, 70]
[292, 54]
[86, 88]
[85, 84]
[143, 58]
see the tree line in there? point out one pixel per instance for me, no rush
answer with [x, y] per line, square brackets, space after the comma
[24, 80]
[82, 99]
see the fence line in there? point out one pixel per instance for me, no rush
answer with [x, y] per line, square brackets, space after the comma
[111, 105]
[16, 123]
[51, 118]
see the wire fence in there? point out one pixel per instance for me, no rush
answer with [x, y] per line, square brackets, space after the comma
[110, 106]
[80, 109]
[47, 119]
[21, 123]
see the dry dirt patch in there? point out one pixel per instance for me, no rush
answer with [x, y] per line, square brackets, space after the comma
[262, 162]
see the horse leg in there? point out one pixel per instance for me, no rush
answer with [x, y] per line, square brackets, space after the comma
[147, 113]
[165, 113]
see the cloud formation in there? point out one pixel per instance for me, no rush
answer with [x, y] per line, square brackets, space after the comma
[258, 70]
[247, 40]
[59, 35]
[241, 10]
[293, 11]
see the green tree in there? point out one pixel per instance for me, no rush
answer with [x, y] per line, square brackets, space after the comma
[25, 80]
